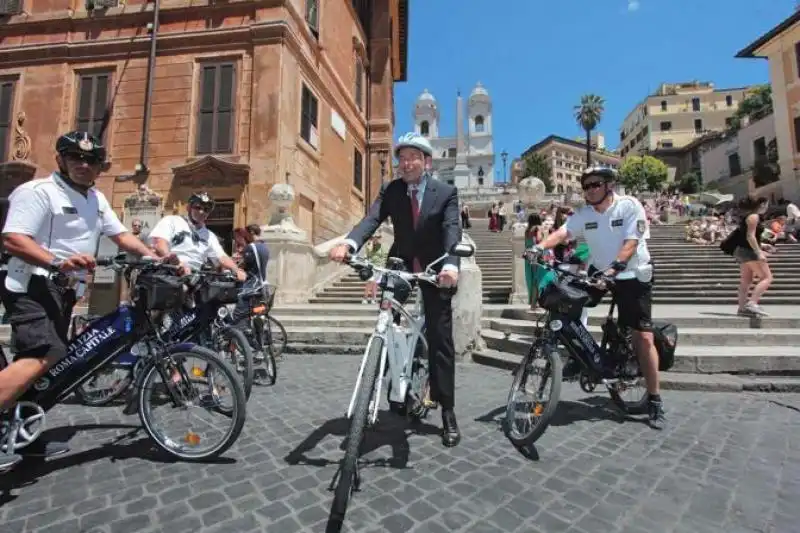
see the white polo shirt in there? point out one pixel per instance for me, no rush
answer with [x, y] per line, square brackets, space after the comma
[197, 245]
[606, 232]
[60, 219]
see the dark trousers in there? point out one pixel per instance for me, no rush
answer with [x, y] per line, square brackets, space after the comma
[441, 351]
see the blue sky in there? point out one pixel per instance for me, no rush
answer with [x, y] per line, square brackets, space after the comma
[531, 56]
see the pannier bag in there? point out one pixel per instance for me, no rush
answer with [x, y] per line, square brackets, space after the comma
[221, 292]
[666, 340]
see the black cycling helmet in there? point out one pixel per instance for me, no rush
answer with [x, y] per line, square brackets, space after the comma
[82, 144]
[608, 174]
[202, 198]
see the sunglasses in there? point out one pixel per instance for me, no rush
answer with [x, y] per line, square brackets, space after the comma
[83, 158]
[202, 207]
[591, 186]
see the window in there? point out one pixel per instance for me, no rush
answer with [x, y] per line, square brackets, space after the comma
[666, 144]
[797, 57]
[424, 128]
[359, 89]
[6, 111]
[797, 134]
[10, 7]
[451, 152]
[698, 125]
[666, 126]
[479, 124]
[358, 170]
[734, 164]
[312, 16]
[695, 104]
[759, 149]
[308, 118]
[729, 100]
[93, 94]
[215, 124]
[663, 105]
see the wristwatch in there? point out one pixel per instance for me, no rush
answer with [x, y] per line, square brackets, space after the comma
[55, 264]
[619, 266]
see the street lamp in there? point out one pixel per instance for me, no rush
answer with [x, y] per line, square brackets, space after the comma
[382, 155]
[504, 157]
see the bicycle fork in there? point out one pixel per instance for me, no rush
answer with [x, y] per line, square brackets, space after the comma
[375, 403]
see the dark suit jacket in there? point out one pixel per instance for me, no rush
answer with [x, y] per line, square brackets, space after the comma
[437, 231]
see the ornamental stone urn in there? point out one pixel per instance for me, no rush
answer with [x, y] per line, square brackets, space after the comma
[282, 196]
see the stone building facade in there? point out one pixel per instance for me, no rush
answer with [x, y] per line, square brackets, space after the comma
[244, 95]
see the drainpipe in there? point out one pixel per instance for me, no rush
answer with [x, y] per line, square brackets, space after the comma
[368, 110]
[141, 167]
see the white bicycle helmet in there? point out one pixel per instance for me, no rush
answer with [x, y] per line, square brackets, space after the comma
[412, 140]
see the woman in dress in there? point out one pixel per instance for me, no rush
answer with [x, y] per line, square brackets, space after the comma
[533, 235]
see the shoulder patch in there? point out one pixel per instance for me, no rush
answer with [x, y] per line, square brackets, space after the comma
[641, 226]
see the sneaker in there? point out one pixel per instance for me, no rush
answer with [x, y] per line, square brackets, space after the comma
[657, 418]
[8, 460]
[754, 309]
[44, 449]
[364, 301]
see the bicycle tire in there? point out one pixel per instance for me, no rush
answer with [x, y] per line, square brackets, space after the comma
[267, 350]
[229, 332]
[554, 361]
[284, 339]
[354, 437]
[239, 411]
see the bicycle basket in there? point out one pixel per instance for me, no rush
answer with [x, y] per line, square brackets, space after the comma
[665, 336]
[563, 299]
[221, 292]
[159, 291]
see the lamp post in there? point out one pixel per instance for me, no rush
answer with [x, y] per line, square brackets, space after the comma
[504, 157]
[382, 155]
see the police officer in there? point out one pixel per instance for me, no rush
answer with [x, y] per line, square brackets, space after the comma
[51, 235]
[615, 229]
[190, 239]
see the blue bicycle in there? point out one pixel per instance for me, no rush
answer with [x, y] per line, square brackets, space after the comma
[167, 379]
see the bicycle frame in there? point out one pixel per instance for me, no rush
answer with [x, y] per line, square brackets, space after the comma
[399, 344]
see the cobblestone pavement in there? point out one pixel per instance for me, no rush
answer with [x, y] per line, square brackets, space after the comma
[728, 463]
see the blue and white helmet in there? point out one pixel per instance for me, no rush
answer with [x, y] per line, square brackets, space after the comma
[414, 140]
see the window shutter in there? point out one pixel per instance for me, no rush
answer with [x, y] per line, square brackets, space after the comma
[10, 7]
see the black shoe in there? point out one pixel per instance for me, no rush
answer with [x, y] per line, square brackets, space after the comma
[657, 418]
[44, 449]
[131, 405]
[451, 436]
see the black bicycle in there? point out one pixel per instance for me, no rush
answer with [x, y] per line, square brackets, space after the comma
[166, 379]
[203, 323]
[613, 362]
[260, 330]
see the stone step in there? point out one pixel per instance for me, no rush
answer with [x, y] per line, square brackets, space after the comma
[674, 380]
[699, 336]
[704, 359]
[728, 302]
[497, 299]
[521, 321]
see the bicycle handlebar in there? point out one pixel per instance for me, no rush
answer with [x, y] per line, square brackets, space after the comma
[359, 264]
[535, 258]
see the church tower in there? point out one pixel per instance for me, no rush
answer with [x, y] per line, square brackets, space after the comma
[426, 115]
[480, 148]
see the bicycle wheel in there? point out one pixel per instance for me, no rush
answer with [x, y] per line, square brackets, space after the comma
[267, 375]
[234, 344]
[92, 395]
[355, 435]
[543, 361]
[624, 392]
[187, 391]
[277, 335]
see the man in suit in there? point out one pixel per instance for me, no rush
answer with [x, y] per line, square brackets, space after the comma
[425, 215]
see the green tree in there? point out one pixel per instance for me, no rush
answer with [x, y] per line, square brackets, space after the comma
[588, 115]
[756, 105]
[536, 165]
[642, 172]
[690, 183]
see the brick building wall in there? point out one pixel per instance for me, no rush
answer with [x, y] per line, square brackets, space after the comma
[246, 94]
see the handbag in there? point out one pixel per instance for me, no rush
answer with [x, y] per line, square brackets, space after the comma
[728, 246]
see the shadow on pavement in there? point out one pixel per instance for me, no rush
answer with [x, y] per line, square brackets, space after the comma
[119, 448]
[391, 430]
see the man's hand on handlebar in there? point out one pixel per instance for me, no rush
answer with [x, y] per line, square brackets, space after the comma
[78, 262]
[340, 253]
[447, 278]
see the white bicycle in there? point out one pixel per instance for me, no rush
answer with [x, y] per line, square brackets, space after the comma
[399, 340]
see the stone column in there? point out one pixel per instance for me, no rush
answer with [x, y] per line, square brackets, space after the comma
[468, 306]
[519, 292]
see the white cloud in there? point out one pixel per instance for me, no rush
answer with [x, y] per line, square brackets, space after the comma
[633, 5]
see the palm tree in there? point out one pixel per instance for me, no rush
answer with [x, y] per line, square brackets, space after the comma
[588, 115]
